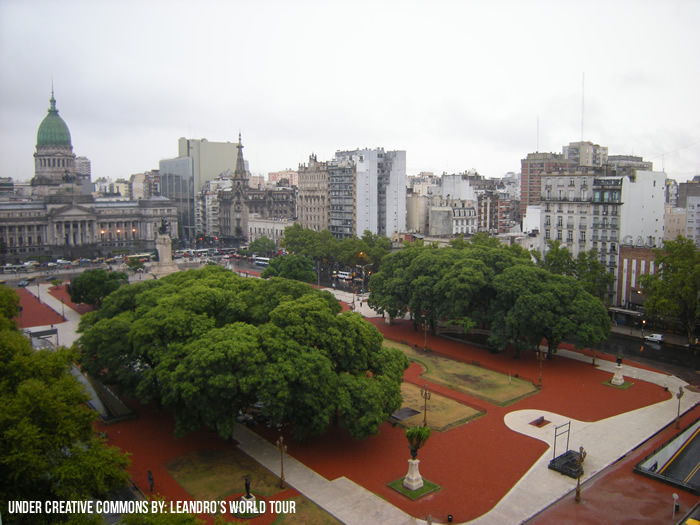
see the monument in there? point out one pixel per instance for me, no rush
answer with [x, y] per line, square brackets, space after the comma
[618, 379]
[164, 247]
[247, 496]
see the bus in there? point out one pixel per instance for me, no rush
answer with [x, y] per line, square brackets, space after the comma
[261, 261]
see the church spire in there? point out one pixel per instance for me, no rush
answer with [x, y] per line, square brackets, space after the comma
[240, 172]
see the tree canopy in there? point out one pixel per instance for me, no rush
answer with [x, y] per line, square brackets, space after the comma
[262, 246]
[92, 286]
[50, 450]
[585, 268]
[674, 290]
[366, 251]
[297, 267]
[482, 284]
[207, 344]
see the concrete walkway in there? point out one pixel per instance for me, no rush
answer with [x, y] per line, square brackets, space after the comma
[604, 441]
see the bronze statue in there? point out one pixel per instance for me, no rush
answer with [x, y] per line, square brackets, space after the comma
[247, 486]
[163, 226]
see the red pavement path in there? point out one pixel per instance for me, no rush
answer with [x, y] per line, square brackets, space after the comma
[151, 442]
[477, 463]
[33, 312]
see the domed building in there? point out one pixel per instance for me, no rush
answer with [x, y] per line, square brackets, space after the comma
[54, 160]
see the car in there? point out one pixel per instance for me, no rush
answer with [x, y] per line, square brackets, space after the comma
[654, 338]
[23, 283]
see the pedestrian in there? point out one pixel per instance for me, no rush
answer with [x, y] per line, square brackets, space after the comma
[150, 480]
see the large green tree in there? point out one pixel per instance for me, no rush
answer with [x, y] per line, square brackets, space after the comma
[208, 344]
[674, 290]
[297, 267]
[92, 286]
[49, 448]
[585, 268]
[262, 246]
[533, 305]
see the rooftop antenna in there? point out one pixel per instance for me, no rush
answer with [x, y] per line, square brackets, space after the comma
[538, 134]
[583, 94]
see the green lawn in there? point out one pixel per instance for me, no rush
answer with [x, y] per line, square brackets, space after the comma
[216, 474]
[443, 412]
[494, 387]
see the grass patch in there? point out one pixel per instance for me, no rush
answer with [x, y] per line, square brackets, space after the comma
[214, 474]
[623, 386]
[427, 488]
[494, 387]
[307, 513]
[443, 412]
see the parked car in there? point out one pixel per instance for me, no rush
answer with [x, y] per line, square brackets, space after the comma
[23, 283]
[654, 338]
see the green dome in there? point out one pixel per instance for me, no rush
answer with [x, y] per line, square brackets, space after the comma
[53, 130]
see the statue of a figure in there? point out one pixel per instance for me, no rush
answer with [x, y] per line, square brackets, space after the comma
[163, 226]
[247, 486]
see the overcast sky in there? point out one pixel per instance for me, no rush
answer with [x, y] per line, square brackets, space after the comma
[457, 85]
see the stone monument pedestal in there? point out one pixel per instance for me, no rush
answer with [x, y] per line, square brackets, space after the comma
[248, 497]
[165, 264]
[618, 379]
[413, 480]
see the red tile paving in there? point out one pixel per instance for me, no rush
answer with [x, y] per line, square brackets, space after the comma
[475, 464]
[33, 312]
[61, 293]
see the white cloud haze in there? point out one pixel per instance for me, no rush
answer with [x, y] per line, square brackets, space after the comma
[457, 84]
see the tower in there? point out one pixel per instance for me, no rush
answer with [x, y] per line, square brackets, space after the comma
[54, 160]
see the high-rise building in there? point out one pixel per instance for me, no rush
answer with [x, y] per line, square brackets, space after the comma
[601, 209]
[313, 206]
[586, 154]
[380, 190]
[198, 161]
[531, 170]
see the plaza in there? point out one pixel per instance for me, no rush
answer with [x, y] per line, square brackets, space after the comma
[490, 469]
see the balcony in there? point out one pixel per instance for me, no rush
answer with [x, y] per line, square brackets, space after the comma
[583, 226]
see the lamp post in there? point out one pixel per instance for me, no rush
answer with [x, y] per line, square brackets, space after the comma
[644, 322]
[679, 395]
[63, 309]
[283, 449]
[540, 358]
[425, 394]
[581, 457]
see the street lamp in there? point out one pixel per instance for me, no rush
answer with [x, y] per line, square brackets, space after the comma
[581, 457]
[540, 357]
[283, 449]
[644, 322]
[425, 394]
[679, 395]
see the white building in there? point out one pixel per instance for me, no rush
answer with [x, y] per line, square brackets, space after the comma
[692, 220]
[206, 208]
[380, 190]
[599, 209]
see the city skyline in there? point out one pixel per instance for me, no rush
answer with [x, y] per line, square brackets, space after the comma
[457, 86]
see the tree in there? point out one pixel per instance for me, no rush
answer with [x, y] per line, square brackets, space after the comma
[532, 305]
[297, 267]
[208, 344]
[50, 450]
[417, 438]
[674, 290]
[92, 286]
[9, 303]
[586, 268]
[262, 246]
